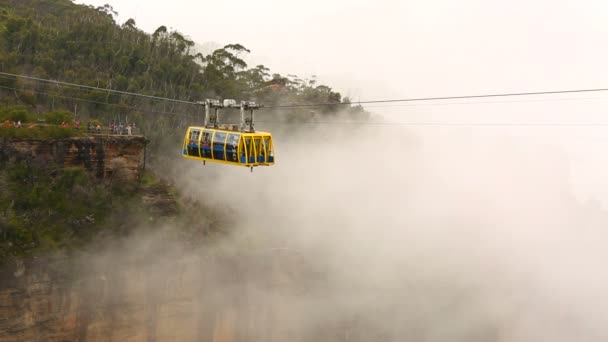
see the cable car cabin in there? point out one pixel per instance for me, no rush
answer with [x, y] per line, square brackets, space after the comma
[229, 147]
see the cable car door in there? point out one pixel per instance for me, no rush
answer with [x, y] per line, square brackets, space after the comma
[232, 147]
[219, 144]
[193, 142]
[206, 144]
[269, 149]
[250, 151]
[259, 148]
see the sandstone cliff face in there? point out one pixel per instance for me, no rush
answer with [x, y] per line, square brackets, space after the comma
[149, 290]
[105, 157]
[148, 299]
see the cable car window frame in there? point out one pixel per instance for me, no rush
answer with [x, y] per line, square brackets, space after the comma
[194, 136]
[263, 149]
[242, 150]
[221, 143]
[269, 147]
[271, 153]
[206, 134]
[257, 142]
[249, 148]
[232, 142]
[269, 150]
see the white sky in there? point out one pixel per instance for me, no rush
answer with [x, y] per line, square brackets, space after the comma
[416, 48]
[384, 48]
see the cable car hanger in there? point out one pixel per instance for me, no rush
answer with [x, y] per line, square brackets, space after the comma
[212, 114]
[233, 144]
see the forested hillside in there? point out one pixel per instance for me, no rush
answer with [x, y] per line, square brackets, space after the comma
[82, 45]
[57, 39]
[43, 208]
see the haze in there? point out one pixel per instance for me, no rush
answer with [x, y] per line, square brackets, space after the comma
[402, 49]
[453, 231]
[381, 49]
[381, 234]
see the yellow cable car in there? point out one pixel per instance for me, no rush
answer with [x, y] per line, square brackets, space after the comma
[229, 147]
[231, 144]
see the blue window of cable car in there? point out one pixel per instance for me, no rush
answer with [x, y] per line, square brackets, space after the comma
[193, 143]
[232, 145]
[219, 141]
[249, 147]
[206, 144]
[269, 153]
[263, 151]
[242, 157]
[259, 148]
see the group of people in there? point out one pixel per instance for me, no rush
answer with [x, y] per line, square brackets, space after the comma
[91, 127]
[67, 124]
[113, 128]
[8, 123]
[122, 129]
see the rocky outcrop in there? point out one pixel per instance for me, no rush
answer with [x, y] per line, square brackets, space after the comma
[150, 289]
[159, 200]
[106, 157]
[149, 298]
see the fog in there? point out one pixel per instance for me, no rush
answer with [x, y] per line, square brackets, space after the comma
[401, 48]
[453, 230]
[381, 233]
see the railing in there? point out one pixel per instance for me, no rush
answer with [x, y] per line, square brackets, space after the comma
[109, 131]
[81, 129]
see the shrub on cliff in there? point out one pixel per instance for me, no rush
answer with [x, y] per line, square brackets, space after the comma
[16, 114]
[35, 131]
[45, 209]
[58, 116]
[61, 40]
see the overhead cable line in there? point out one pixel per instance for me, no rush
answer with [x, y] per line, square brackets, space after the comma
[92, 101]
[419, 99]
[461, 97]
[97, 88]
[352, 123]
[440, 124]
[352, 103]
[486, 102]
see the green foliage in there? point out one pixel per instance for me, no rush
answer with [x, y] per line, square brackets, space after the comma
[94, 122]
[148, 179]
[40, 207]
[81, 44]
[39, 132]
[15, 114]
[45, 209]
[57, 117]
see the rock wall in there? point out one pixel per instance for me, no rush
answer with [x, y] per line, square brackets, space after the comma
[157, 291]
[103, 156]
[187, 299]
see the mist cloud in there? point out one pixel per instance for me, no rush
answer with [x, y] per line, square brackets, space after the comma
[384, 233]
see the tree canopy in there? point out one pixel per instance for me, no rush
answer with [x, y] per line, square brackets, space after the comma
[60, 40]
